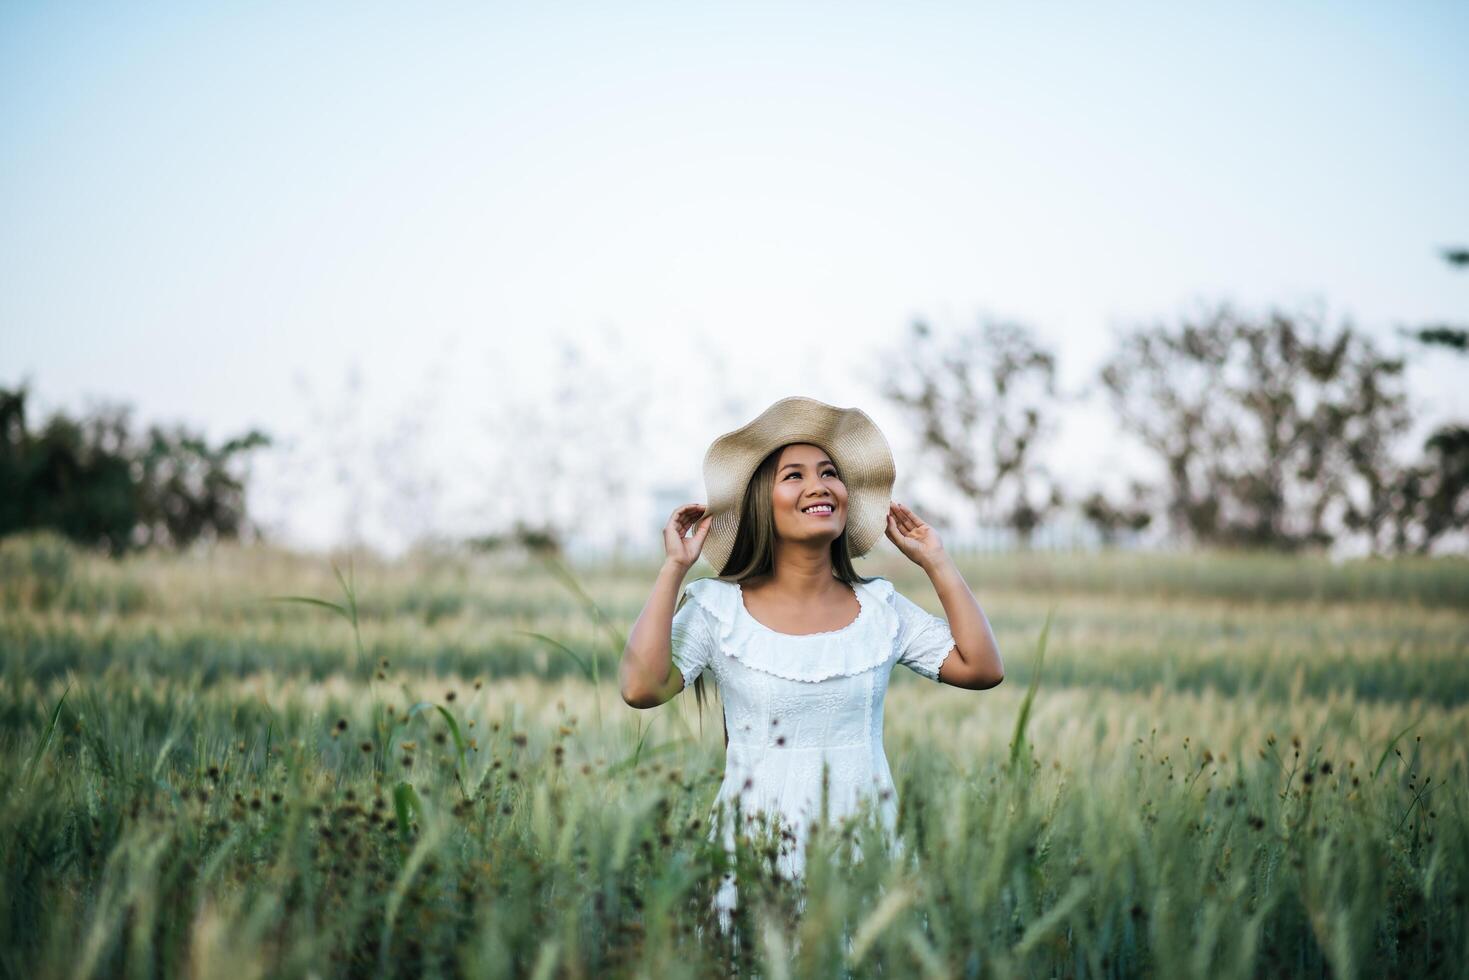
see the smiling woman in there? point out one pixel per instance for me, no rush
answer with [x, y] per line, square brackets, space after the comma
[801, 645]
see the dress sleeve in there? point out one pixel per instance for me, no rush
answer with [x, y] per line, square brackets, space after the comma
[924, 640]
[692, 640]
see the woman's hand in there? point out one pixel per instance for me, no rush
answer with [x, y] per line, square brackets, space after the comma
[680, 549]
[913, 537]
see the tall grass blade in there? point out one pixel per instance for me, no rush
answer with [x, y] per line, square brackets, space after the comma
[1392, 744]
[1017, 743]
[45, 741]
[310, 601]
[587, 670]
[568, 578]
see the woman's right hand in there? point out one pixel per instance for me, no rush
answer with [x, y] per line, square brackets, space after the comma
[684, 550]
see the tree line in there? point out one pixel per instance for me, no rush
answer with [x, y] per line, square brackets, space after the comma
[106, 484]
[1269, 432]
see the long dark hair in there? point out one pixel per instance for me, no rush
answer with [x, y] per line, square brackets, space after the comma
[753, 553]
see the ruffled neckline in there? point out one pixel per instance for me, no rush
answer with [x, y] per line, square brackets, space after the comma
[861, 645]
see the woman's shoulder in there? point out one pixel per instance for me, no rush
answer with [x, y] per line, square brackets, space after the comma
[879, 586]
[708, 586]
[716, 595]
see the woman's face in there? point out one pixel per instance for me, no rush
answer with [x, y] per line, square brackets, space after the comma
[805, 476]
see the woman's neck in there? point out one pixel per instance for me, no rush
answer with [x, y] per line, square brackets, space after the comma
[800, 574]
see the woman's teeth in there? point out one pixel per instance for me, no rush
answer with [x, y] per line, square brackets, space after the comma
[819, 509]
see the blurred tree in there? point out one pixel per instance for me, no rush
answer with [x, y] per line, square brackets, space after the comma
[1431, 497]
[536, 540]
[1111, 519]
[94, 481]
[982, 403]
[1428, 499]
[1271, 434]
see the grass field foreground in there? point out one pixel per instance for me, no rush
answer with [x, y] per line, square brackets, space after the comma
[1215, 779]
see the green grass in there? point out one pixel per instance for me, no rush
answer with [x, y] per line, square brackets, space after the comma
[1231, 766]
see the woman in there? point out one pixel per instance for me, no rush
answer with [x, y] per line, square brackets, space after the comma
[801, 645]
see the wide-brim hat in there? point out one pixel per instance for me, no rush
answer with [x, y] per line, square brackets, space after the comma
[850, 438]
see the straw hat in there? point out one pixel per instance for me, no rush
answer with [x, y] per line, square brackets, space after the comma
[850, 438]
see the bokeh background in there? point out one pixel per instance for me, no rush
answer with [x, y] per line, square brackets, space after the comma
[478, 266]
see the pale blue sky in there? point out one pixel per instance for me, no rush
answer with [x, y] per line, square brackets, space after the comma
[204, 205]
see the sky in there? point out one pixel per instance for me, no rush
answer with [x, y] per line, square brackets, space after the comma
[372, 229]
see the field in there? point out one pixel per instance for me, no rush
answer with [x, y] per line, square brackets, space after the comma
[1229, 766]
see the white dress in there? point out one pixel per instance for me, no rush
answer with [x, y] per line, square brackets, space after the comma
[795, 702]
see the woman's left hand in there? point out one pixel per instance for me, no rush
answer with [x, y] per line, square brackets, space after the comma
[913, 537]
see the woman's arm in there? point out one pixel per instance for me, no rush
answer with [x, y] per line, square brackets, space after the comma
[646, 674]
[974, 663]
